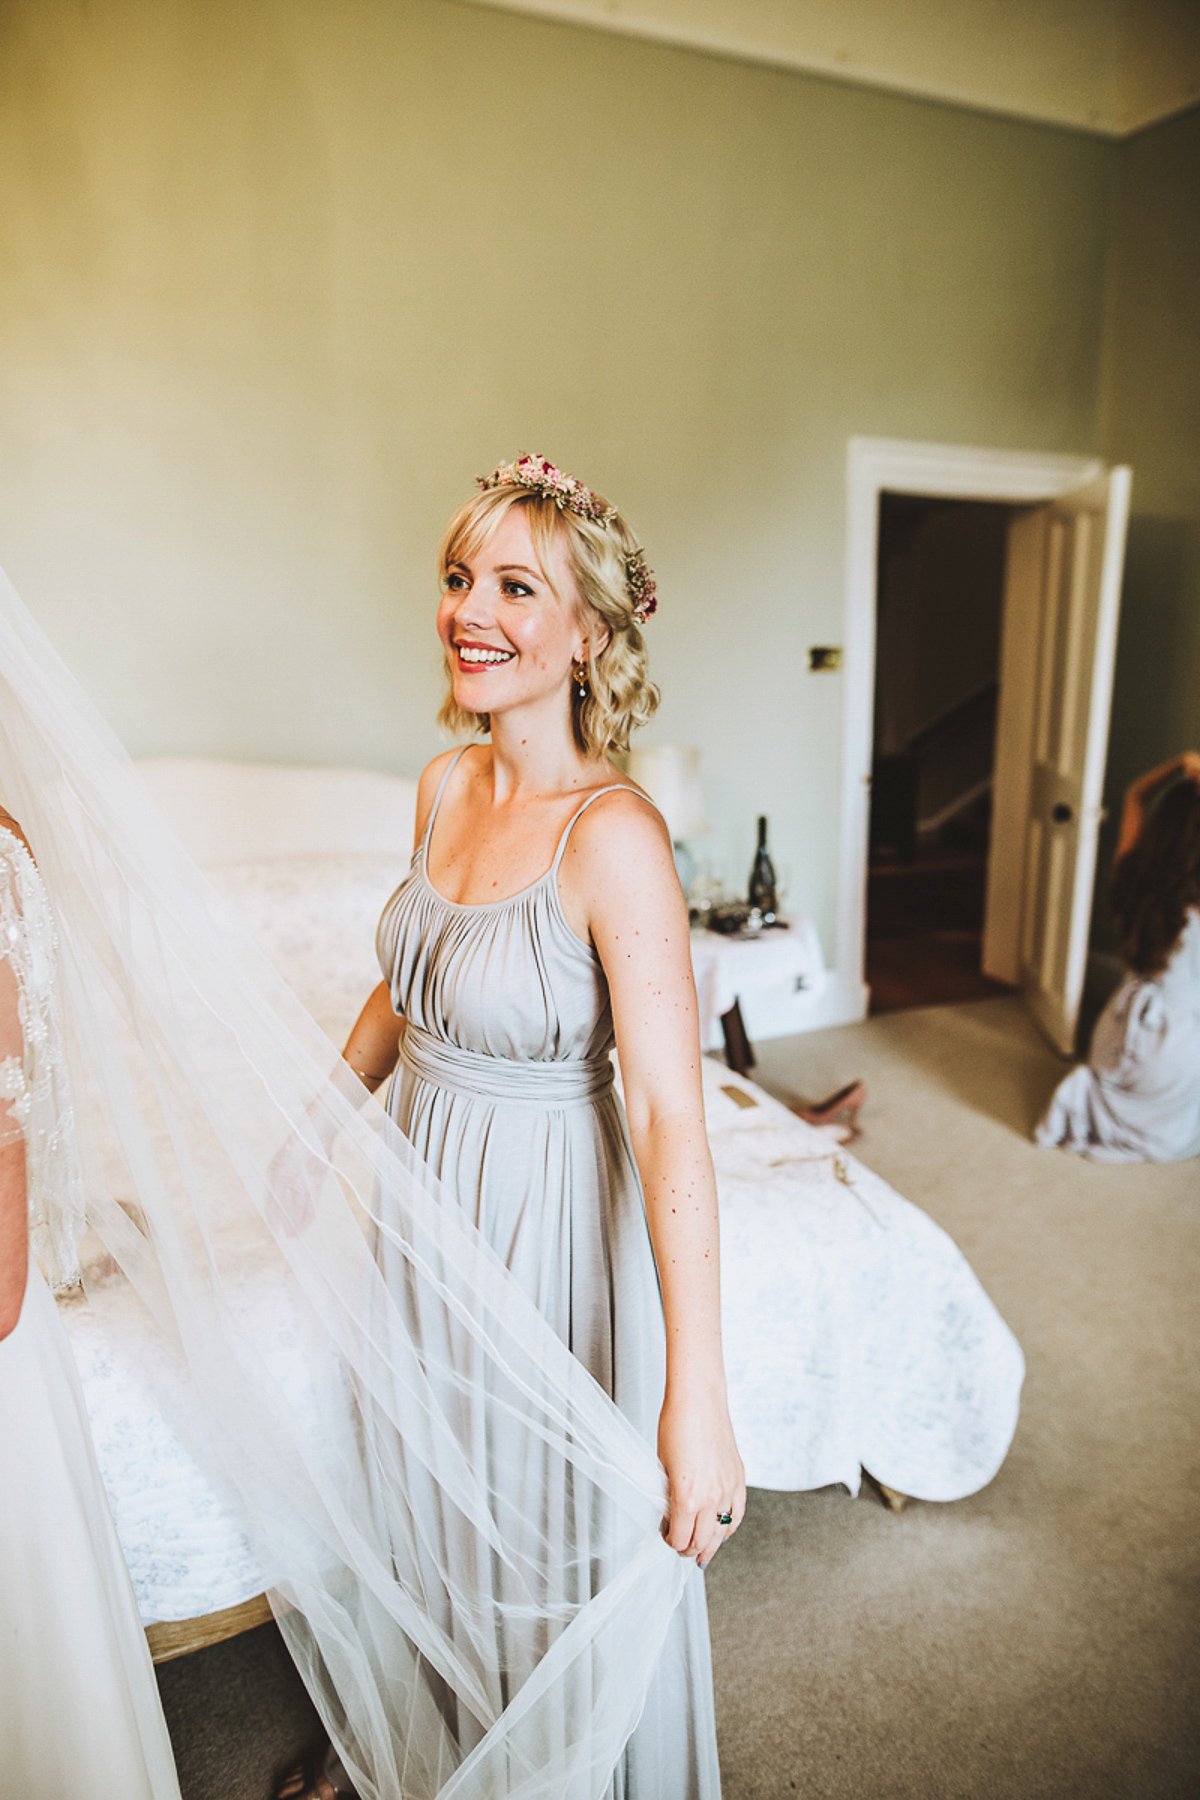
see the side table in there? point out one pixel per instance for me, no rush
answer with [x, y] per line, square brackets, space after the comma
[727, 967]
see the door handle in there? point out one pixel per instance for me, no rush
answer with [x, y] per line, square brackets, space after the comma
[1061, 813]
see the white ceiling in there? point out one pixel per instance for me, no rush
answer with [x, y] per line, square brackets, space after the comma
[1108, 66]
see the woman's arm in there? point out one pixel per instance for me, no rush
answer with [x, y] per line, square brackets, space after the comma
[299, 1165]
[373, 1048]
[1133, 816]
[371, 1051]
[14, 1207]
[619, 860]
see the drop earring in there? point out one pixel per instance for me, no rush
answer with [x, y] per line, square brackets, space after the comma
[579, 674]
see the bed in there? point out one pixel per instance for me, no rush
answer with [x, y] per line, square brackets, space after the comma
[856, 1335]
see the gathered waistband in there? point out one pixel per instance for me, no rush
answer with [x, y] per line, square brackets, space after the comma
[501, 1078]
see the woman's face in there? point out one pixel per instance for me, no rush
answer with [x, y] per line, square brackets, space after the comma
[509, 639]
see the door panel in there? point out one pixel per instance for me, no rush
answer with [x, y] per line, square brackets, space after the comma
[1083, 554]
[1020, 657]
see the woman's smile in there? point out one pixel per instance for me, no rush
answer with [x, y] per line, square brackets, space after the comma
[473, 655]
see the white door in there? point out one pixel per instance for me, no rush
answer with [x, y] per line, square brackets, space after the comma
[1059, 640]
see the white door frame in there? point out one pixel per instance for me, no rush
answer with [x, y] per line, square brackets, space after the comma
[943, 471]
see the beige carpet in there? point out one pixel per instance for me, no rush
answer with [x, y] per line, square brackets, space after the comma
[1039, 1639]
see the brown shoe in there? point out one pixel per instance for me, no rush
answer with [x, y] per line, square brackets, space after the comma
[839, 1111]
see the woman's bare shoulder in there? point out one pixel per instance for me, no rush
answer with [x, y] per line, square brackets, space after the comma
[433, 771]
[623, 834]
[428, 782]
[621, 810]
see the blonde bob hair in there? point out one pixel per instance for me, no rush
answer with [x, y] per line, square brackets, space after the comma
[620, 695]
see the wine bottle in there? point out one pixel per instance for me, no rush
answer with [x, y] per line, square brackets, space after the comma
[762, 878]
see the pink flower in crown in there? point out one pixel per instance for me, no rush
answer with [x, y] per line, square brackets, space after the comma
[540, 476]
[642, 588]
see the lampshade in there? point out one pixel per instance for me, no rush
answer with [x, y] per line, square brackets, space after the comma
[670, 775]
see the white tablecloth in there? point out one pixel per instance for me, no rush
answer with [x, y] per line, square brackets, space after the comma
[728, 967]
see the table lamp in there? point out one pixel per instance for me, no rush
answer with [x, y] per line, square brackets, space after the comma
[670, 774]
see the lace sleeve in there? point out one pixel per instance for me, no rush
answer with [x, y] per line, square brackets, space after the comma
[34, 1088]
[15, 1099]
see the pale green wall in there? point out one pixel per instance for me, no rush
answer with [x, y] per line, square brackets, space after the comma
[1151, 418]
[280, 277]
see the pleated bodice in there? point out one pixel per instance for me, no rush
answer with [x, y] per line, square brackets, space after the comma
[505, 1089]
[506, 979]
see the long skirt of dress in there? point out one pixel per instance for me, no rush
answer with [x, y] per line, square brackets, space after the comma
[554, 1190]
[79, 1706]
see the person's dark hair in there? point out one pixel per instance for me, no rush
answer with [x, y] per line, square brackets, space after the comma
[1156, 882]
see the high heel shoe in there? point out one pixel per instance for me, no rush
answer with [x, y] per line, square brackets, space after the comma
[840, 1111]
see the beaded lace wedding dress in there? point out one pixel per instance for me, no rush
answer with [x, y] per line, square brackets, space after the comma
[79, 1708]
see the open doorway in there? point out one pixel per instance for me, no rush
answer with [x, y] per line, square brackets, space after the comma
[1062, 588]
[939, 611]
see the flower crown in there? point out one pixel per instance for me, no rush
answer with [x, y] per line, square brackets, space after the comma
[540, 476]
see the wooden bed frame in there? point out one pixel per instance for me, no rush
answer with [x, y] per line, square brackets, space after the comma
[179, 1637]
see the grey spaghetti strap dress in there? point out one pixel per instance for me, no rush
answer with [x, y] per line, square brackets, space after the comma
[505, 1089]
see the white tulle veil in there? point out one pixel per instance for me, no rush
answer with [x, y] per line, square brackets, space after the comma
[458, 1530]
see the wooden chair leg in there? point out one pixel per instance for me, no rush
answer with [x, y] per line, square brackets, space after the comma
[739, 1053]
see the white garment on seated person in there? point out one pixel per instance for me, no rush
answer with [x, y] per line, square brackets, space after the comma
[1137, 1098]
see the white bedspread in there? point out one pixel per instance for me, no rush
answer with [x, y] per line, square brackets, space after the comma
[186, 1551]
[855, 1332]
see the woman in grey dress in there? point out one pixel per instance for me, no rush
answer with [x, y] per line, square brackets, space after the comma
[541, 922]
[1137, 1098]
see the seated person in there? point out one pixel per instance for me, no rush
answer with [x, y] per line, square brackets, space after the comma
[1137, 1099]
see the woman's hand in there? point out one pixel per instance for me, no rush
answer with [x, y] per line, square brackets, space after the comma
[294, 1180]
[705, 1478]
[1133, 817]
[301, 1165]
[1187, 763]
